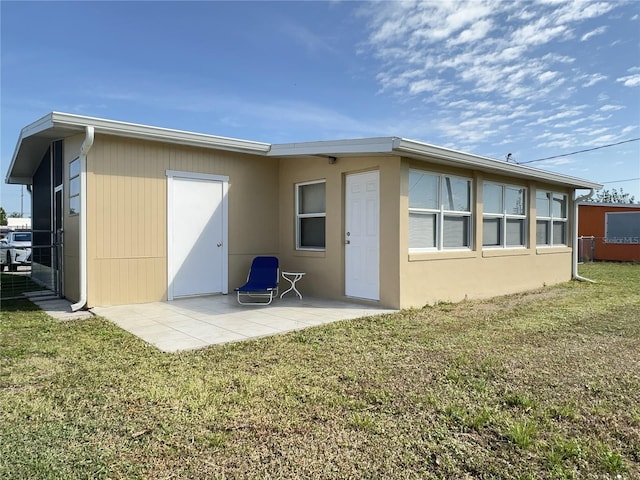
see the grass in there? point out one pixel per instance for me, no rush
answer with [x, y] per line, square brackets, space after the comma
[14, 285]
[544, 384]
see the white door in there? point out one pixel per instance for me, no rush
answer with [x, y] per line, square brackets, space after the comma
[196, 236]
[362, 236]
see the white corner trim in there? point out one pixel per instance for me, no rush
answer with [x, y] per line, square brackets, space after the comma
[84, 151]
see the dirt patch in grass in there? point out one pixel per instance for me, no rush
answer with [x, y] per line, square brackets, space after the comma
[538, 385]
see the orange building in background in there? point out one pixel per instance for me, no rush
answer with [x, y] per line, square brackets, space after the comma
[615, 229]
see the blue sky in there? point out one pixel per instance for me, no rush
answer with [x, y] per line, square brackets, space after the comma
[534, 79]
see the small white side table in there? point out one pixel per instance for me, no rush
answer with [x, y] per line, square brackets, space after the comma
[292, 278]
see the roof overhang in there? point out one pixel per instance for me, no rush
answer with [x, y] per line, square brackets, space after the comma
[427, 153]
[35, 139]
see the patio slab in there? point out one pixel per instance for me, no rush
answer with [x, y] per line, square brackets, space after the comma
[192, 323]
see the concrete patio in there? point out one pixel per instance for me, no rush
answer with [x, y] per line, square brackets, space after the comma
[198, 322]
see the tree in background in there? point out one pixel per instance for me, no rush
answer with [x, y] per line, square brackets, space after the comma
[3, 216]
[613, 196]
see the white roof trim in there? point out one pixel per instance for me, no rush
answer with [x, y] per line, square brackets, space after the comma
[425, 150]
[334, 147]
[58, 125]
[135, 130]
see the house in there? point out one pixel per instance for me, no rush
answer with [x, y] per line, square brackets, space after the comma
[140, 213]
[610, 231]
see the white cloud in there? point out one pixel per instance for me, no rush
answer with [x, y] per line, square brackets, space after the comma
[547, 76]
[495, 71]
[538, 33]
[609, 108]
[593, 79]
[424, 85]
[477, 32]
[582, 10]
[630, 80]
[593, 33]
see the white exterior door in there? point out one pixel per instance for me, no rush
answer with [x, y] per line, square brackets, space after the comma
[362, 235]
[197, 230]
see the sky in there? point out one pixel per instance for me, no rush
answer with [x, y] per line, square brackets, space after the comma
[534, 79]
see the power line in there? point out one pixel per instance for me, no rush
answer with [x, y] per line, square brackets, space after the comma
[620, 181]
[581, 151]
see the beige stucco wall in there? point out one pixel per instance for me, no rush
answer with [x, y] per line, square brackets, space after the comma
[325, 270]
[426, 278]
[127, 230]
[127, 214]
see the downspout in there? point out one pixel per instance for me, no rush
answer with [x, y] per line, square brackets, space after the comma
[84, 150]
[574, 269]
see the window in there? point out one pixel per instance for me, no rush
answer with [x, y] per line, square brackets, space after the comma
[310, 215]
[439, 212]
[622, 227]
[504, 219]
[74, 187]
[551, 218]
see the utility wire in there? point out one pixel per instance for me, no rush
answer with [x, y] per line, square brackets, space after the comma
[620, 181]
[581, 151]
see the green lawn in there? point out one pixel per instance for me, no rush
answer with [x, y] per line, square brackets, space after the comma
[539, 385]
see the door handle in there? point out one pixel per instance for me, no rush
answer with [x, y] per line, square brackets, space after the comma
[219, 244]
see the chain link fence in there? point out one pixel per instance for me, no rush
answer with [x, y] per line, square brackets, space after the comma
[586, 249]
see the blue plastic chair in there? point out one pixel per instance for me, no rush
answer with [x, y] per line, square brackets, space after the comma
[262, 281]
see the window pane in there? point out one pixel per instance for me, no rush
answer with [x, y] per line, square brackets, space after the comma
[491, 232]
[514, 199]
[492, 198]
[456, 232]
[312, 198]
[559, 233]
[515, 232]
[74, 168]
[423, 190]
[74, 186]
[422, 230]
[543, 204]
[312, 232]
[74, 205]
[559, 206]
[456, 195]
[542, 232]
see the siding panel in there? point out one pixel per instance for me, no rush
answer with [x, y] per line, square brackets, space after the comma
[128, 221]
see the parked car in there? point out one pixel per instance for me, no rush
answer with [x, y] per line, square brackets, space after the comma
[15, 250]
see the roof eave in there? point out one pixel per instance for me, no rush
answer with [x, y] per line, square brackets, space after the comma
[146, 132]
[56, 125]
[374, 145]
[424, 151]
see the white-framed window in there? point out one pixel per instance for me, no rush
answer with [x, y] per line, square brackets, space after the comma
[439, 212]
[311, 215]
[551, 218]
[74, 187]
[504, 215]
